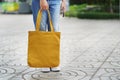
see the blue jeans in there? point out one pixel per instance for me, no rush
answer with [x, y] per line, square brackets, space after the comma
[54, 8]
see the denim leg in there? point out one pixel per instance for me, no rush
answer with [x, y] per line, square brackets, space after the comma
[35, 8]
[43, 25]
[54, 7]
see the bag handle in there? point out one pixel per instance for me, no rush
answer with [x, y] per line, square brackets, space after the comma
[38, 21]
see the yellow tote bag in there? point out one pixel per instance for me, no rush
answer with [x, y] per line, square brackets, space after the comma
[43, 47]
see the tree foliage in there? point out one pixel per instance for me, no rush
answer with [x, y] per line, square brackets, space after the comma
[107, 5]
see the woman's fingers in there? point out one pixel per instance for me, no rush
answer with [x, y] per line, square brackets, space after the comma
[63, 6]
[44, 5]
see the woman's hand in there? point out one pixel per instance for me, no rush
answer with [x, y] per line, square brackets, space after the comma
[63, 5]
[44, 5]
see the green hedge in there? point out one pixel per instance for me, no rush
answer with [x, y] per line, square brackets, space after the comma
[94, 15]
[81, 11]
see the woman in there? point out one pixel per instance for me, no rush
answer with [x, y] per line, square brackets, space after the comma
[54, 8]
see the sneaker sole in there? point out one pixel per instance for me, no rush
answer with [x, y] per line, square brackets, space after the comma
[45, 71]
[55, 71]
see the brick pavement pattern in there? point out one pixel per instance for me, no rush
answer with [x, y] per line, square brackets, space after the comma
[90, 49]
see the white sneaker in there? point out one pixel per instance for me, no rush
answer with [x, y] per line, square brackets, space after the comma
[45, 70]
[55, 69]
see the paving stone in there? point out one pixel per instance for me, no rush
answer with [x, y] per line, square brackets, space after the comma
[90, 49]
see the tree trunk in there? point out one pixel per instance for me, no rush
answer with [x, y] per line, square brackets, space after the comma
[111, 7]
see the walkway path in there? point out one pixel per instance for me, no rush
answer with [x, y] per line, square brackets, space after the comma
[90, 49]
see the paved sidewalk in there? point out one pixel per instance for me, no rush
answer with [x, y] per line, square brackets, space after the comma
[90, 49]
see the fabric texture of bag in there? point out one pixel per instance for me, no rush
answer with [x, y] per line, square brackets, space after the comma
[43, 47]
